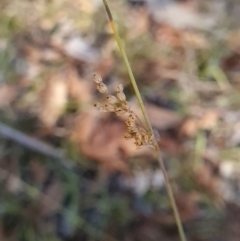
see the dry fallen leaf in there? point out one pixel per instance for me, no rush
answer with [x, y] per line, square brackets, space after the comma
[189, 128]
[207, 177]
[209, 119]
[78, 89]
[99, 140]
[7, 95]
[53, 100]
[233, 40]
[204, 120]
[137, 22]
[102, 139]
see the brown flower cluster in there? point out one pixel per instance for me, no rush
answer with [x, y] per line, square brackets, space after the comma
[118, 104]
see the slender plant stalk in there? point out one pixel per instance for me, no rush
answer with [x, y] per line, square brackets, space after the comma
[129, 69]
[139, 98]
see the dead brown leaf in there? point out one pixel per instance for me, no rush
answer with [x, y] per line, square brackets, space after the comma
[189, 128]
[203, 120]
[166, 33]
[102, 139]
[7, 95]
[208, 178]
[53, 100]
[78, 89]
[233, 39]
[137, 22]
[170, 145]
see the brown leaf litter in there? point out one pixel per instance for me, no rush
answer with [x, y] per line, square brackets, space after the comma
[58, 88]
[102, 139]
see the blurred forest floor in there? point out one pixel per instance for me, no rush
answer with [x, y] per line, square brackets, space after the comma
[66, 171]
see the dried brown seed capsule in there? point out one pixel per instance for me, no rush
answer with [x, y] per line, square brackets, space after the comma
[128, 136]
[146, 138]
[120, 106]
[150, 141]
[97, 78]
[133, 129]
[111, 99]
[138, 142]
[121, 96]
[102, 88]
[125, 105]
[138, 136]
[132, 117]
[130, 123]
[119, 88]
[120, 111]
[98, 107]
[109, 107]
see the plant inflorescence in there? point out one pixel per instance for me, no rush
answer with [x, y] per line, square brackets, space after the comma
[118, 105]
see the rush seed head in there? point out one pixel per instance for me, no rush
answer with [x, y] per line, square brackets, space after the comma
[138, 142]
[133, 129]
[118, 104]
[146, 138]
[98, 107]
[111, 99]
[102, 88]
[120, 111]
[119, 88]
[109, 107]
[125, 106]
[132, 117]
[128, 136]
[130, 123]
[97, 78]
[121, 96]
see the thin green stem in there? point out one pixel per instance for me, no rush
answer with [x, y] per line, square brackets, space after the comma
[129, 69]
[171, 196]
[139, 98]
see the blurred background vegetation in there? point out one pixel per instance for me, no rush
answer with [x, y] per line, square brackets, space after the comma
[66, 172]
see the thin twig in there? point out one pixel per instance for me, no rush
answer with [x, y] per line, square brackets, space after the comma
[159, 157]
